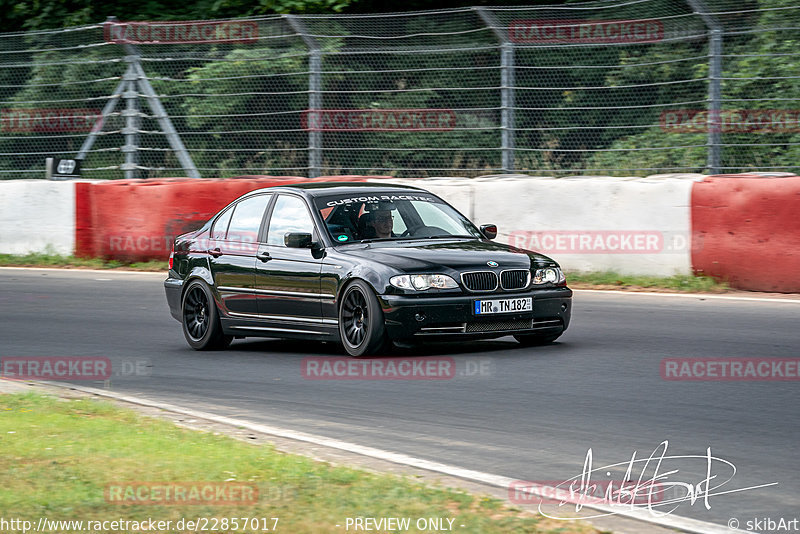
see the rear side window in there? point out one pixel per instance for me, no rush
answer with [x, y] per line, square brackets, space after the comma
[246, 219]
[221, 225]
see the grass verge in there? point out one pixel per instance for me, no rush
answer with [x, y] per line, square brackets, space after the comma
[58, 458]
[55, 260]
[611, 280]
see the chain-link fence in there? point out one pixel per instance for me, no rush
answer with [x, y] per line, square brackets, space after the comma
[610, 87]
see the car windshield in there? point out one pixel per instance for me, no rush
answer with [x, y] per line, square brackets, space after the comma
[378, 216]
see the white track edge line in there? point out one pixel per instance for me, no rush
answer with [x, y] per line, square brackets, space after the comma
[676, 522]
[704, 296]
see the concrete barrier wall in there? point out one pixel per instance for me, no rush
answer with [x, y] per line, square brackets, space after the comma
[747, 231]
[741, 228]
[636, 226]
[138, 220]
[37, 216]
[628, 225]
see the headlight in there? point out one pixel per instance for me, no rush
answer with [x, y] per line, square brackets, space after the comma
[550, 275]
[421, 282]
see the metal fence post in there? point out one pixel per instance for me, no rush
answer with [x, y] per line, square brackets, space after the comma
[160, 114]
[131, 130]
[714, 123]
[133, 80]
[314, 94]
[507, 105]
[715, 102]
[506, 87]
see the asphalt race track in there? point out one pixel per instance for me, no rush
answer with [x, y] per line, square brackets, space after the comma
[525, 413]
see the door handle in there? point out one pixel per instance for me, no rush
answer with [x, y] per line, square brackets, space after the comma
[216, 252]
[264, 256]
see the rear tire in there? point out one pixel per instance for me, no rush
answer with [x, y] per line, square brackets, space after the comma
[361, 325]
[200, 319]
[535, 340]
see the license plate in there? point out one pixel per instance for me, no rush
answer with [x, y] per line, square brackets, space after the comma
[485, 307]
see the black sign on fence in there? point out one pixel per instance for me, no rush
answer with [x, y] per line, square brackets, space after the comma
[62, 169]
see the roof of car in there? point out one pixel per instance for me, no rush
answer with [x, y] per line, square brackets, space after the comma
[315, 189]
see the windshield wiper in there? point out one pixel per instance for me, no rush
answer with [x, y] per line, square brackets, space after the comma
[448, 236]
[374, 239]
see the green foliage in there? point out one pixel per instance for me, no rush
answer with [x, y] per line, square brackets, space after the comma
[44, 14]
[605, 115]
[679, 282]
[50, 259]
[278, 71]
[280, 6]
[687, 153]
[760, 70]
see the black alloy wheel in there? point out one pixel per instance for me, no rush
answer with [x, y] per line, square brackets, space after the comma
[201, 326]
[361, 325]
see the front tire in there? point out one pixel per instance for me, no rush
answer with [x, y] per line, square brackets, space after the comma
[361, 325]
[200, 319]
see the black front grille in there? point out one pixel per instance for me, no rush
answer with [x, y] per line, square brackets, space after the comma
[480, 281]
[514, 279]
[499, 326]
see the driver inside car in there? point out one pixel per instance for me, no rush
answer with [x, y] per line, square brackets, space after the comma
[377, 223]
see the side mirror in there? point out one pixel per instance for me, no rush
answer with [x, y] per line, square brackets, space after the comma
[489, 230]
[297, 240]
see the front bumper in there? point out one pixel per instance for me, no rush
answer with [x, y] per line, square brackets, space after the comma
[452, 316]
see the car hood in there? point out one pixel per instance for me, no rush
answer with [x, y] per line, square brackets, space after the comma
[457, 254]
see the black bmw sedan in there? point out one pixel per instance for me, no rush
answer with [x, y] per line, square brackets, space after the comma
[361, 264]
